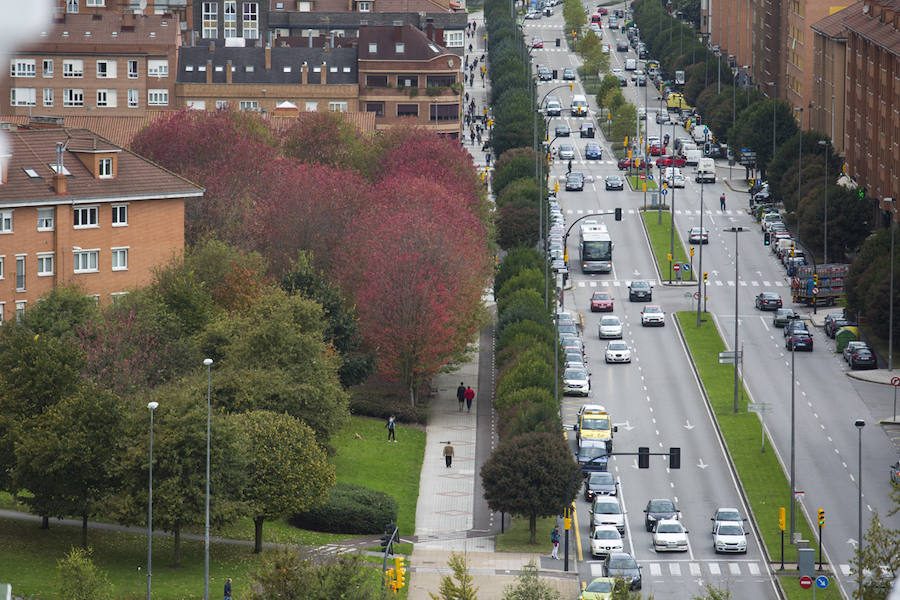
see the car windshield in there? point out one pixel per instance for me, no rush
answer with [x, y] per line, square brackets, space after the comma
[618, 346]
[591, 451]
[575, 374]
[728, 515]
[652, 309]
[606, 534]
[601, 479]
[625, 562]
[769, 296]
[731, 530]
[601, 296]
[607, 508]
[567, 327]
[668, 528]
[596, 424]
[640, 285]
[600, 586]
[609, 321]
[661, 506]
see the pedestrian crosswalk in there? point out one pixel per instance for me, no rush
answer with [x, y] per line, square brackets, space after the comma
[694, 568]
[605, 283]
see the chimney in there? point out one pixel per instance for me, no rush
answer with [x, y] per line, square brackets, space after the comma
[324, 73]
[398, 31]
[228, 71]
[268, 57]
[304, 74]
[209, 71]
[212, 47]
[59, 180]
[429, 28]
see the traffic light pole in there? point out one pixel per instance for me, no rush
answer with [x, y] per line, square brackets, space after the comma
[387, 541]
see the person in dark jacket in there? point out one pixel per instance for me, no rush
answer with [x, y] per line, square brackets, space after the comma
[461, 395]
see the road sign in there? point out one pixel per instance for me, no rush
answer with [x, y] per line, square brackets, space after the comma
[696, 295]
[685, 266]
[650, 176]
[821, 582]
[664, 191]
[759, 407]
[676, 266]
[806, 582]
[815, 291]
[729, 357]
[895, 381]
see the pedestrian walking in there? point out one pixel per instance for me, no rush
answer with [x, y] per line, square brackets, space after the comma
[469, 395]
[487, 160]
[722, 201]
[470, 47]
[228, 589]
[390, 428]
[554, 539]
[461, 395]
[479, 136]
[448, 455]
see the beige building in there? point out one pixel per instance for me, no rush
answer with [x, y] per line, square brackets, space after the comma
[830, 75]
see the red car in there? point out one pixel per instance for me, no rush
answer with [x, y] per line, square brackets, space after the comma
[657, 149]
[602, 10]
[537, 42]
[601, 302]
[671, 161]
[625, 163]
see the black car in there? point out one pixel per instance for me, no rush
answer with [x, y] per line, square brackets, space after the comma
[622, 564]
[544, 74]
[794, 326]
[592, 457]
[799, 340]
[622, 46]
[599, 483]
[714, 150]
[562, 131]
[657, 510]
[640, 290]
[768, 301]
[614, 182]
[863, 358]
[575, 182]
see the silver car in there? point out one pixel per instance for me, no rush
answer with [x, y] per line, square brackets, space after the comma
[566, 151]
[576, 382]
[610, 327]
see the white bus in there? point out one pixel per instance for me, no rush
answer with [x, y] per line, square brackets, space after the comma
[596, 250]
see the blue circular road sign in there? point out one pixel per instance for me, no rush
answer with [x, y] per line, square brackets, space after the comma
[650, 176]
[821, 582]
[664, 191]
[685, 266]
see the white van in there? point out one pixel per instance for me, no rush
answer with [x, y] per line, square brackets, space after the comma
[699, 133]
[579, 106]
[630, 64]
[706, 171]
[692, 157]
[685, 147]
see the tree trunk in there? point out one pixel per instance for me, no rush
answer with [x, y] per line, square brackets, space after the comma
[532, 526]
[412, 396]
[45, 522]
[84, 518]
[257, 538]
[176, 532]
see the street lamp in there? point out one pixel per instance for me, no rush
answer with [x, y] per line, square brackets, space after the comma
[737, 287]
[825, 234]
[774, 85]
[152, 406]
[207, 362]
[793, 443]
[891, 298]
[700, 268]
[799, 167]
[859, 423]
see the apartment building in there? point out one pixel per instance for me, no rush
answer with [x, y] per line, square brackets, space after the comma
[104, 63]
[830, 75]
[77, 209]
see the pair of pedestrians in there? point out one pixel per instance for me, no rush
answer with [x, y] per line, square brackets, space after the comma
[465, 394]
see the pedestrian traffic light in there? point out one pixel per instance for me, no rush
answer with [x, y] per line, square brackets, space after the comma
[618, 214]
[792, 252]
[643, 457]
[766, 239]
[862, 193]
[399, 572]
[821, 518]
[674, 458]
[572, 87]
[705, 277]
[669, 256]
[781, 518]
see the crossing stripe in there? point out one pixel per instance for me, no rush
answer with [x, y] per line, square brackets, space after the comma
[695, 569]
[655, 571]
[734, 568]
[714, 568]
[754, 568]
[675, 569]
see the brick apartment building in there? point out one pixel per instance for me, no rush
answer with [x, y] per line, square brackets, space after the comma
[99, 64]
[77, 209]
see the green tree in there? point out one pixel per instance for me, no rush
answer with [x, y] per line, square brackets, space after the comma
[461, 589]
[287, 574]
[61, 312]
[289, 472]
[542, 470]
[517, 163]
[754, 129]
[608, 83]
[514, 261]
[517, 225]
[529, 586]
[573, 14]
[520, 305]
[78, 578]
[622, 591]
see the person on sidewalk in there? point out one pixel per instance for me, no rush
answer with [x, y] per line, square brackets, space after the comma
[469, 395]
[554, 539]
[448, 455]
[461, 394]
[390, 428]
[722, 201]
[228, 589]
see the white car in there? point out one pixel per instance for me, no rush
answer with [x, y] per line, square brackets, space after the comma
[653, 315]
[669, 535]
[566, 151]
[605, 539]
[725, 515]
[606, 510]
[618, 352]
[610, 327]
[676, 180]
[729, 536]
[595, 27]
[576, 382]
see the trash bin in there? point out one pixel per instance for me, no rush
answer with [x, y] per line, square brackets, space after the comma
[843, 336]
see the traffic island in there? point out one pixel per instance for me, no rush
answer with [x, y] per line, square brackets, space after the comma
[658, 226]
[637, 183]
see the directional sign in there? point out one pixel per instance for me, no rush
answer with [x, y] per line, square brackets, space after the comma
[650, 176]
[759, 407]
[806, 582]
[664, 191]
[686, 266]
[821, 582]
[729, 357]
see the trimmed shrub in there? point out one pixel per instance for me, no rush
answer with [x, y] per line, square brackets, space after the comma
[526, 279]
[521, 305]
[515, 261]
[541, 416]
[349, 509]
[540, 334]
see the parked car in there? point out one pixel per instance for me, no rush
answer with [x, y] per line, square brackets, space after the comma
[895, 473]
[768, 301]
[863, 358]
[851, 347]
[576, 382]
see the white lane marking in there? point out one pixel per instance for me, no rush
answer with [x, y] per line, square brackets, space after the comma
[754, 568]
[695, 569]
[714, 568]
[734, 568]
[675, 569]
[655, 571]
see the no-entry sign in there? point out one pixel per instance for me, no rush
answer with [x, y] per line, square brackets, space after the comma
[806, 582]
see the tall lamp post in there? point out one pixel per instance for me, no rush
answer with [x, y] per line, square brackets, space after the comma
[152, 406]
[825, 232]
[700, 267]
[891, 298]
[737, 286]
[859, 427]
[774, 85]
[793, 444]
[208, 362]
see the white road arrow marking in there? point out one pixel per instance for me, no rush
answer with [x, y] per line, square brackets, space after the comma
[701, 464]
[687, 425]
[852, 542]
[626, 426]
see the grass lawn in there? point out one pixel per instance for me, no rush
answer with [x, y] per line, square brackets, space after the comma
[760, 473]
[516, 537]
[659, 240]
[638, 185]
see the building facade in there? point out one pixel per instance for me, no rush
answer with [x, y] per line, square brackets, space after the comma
[76, 209]
[830, 76]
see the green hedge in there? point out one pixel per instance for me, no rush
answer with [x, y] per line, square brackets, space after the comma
[350, 509]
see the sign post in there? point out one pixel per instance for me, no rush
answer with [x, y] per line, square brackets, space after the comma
[895, 381]
[761, 408]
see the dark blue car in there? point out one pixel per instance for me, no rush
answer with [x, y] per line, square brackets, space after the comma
[593, 151]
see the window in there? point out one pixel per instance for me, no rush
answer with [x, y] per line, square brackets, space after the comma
[20, 304]
[304, 6]
[364, 6]
[86, 261]
[399, 48]
[133, 98]
[444, 112]
[407, 110]
[440, 80]
[116, 296]
[221, 104]
[119, 215]
[85, 216]
[2, 275]
[73, 97]
[6, 221]
[410, 81]
[2, 306]
[45, 219]
[231, 18]
[73, 68]
[107, 98]
[22, 67]
[105, 170]
[45, 264]
[106, 69]
[337, 106]
[72, 6]
[132, 69]
[210, 20]
[251, 20]
[95, 2]
[20, 273]
[157, 68]
[375, 107]
[373, 48]
[48, 96]
[376, 80]
[453, 39]
[120, 259]
[47, 67]
[312, 107]
[158, 97]
[22, 96]
[249, 105]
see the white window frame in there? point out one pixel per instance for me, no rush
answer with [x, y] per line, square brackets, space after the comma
[196, 104]
[304, 6]
[312, 106]
[20, 96]
[250, 20]
[373, 48]
[105, 168]
[45, 264]
[73, 97]
[95, 2]
[22, 67]
[364, 6]
[338, 106]
[221, 104]
[2, 307]
[453, 39]
[210, 22]
[107, 98]
[116, 296]
[73, 68]
[20, 304]
[229, 19]
[158, 97]
[118, 255]
[249, 105]
[6, 221]
[90, 213]
[47, 67]
[106, 69]
[48, 96]
[72, 7]
[120, 215]
[134, 98]
[86, 261]
[21, 272]
[45, 219]
[133, 69]
[2, 259]
[157, 68]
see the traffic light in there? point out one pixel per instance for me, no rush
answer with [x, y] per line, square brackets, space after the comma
[572, 87]
[781, 518]
[815, 279]
[399, 572]
[669, 256]
[692, 250]
[792, 252]
[618, 214]
[821, 518]
[766, 239]
[705, 277]
[643, 457]
[862, 193]
[674, 458]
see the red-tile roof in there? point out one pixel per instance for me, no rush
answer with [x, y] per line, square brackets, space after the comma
[870, 27]
[832, 26]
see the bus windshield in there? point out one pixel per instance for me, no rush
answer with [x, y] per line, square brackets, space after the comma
[596, 250]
